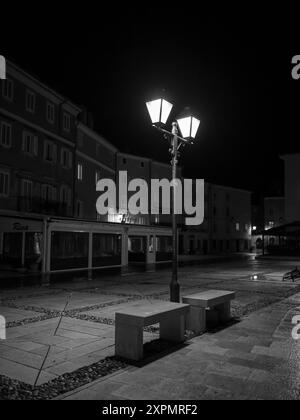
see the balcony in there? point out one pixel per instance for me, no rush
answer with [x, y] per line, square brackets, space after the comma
[40, 206]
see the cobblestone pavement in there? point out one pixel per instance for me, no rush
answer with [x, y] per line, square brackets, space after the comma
[59, 329]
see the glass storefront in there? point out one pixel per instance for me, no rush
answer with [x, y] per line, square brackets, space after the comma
[137, 249]
[106, 249]
[33, 250]
[69, 250]
[12, 249]
[164, 247]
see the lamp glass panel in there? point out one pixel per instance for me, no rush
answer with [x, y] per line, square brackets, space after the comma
[195, 126]
[166, 110]
[185, 126]
[154, 110]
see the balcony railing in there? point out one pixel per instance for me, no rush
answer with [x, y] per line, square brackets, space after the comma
[38, 205]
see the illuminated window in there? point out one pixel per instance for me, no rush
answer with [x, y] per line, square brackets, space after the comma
[97, 176]
[79, 172]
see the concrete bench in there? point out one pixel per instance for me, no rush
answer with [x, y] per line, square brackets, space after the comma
[130, 324]
[213, 305]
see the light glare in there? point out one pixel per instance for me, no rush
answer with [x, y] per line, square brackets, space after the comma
[185, 126]
[154, 110]
[166, 110]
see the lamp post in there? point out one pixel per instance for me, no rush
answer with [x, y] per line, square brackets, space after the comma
[159, 111]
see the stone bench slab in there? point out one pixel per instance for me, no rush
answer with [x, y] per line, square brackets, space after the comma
[210, 298]
[210, 307]
[130, 323]
[144, 315]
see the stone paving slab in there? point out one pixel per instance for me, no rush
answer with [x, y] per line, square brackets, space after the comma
[14, 314]
[214, 366]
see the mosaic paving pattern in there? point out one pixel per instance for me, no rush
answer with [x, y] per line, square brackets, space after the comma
[62, 329]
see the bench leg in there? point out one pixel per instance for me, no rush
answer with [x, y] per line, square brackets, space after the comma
[173, 329]
[129, 341]
[196, 319]
[212, 318]
[224, 312]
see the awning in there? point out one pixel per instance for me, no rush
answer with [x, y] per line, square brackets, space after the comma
[289, 230]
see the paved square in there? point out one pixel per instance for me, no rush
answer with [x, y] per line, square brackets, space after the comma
[250, 359]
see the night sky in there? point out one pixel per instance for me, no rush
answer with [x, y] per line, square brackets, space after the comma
[233, 70]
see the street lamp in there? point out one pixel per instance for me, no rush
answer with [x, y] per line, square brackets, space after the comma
[187, 125]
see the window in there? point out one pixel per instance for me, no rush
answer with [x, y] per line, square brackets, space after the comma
[237, 227]
[50, 113]
[30, 143]
[50, 151]
[69, 250]
[142, 164]
[8, 89]
[5, 134]
[4, 183]
[106, 249]
[124, 161]
[79, 172]
[66, 158]
[66, 122]
[97, 176]
[30, 102]
[49, 193]
[65, 195]
[27, 193]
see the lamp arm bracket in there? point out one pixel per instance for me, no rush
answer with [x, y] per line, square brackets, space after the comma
[169, 134]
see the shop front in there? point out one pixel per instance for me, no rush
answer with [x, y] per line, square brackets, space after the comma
[50, 246]
[21, 243]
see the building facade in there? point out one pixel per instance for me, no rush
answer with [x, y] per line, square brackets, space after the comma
[292, 187]
[227, 223]
[51, 160]
[274, 212]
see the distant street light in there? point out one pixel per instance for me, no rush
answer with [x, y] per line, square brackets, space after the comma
[159, 111]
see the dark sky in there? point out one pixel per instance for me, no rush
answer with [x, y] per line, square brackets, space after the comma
[234, 71]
